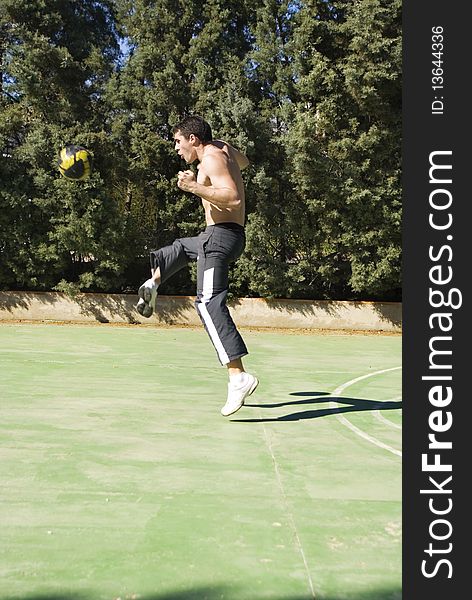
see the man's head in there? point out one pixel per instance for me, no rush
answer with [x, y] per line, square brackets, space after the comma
[189, 134]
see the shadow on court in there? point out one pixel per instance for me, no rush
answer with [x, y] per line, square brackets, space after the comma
[216, 593]
[356, 405]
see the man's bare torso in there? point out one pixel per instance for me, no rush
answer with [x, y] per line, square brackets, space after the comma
[214, 214]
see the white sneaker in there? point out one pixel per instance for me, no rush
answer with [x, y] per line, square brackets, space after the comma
[147, 298]
[237, 393]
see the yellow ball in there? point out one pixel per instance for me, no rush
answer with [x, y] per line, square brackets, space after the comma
[75, 162]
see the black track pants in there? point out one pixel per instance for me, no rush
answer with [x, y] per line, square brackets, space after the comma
[214, 249]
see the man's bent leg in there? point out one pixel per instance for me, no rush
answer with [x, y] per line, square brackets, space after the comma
[164, 263]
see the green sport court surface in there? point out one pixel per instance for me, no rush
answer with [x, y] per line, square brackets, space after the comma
[120, 479]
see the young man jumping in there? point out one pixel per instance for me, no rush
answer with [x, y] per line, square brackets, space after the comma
[220, 186]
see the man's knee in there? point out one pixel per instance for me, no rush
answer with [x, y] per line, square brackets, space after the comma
[169, 259]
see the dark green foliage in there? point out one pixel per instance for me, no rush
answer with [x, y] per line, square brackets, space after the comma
[309, 90]
[344, 145]
[329, 226]
[57, 57]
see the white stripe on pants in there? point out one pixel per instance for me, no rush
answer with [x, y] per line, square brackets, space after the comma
[206, 297]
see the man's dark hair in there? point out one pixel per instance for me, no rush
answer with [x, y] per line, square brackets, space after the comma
[196, 125]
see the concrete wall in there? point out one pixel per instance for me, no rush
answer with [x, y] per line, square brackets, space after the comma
[179, 310]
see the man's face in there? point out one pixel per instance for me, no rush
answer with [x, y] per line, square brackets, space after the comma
[184, 147]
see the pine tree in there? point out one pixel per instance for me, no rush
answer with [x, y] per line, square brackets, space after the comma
[57, 56]
[344, 146]
[185, 57]
[270, 233]
[310, 90]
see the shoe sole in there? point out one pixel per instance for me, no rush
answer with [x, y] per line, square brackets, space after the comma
[145, 310]
[252, 389]
[143, 306]
[146, 295]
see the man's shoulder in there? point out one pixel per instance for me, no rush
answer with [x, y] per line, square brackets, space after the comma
[214, 158]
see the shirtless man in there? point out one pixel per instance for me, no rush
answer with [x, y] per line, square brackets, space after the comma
[220, 186]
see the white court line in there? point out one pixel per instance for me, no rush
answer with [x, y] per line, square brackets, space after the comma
[339, 390]
[288, 512]
[379, 416]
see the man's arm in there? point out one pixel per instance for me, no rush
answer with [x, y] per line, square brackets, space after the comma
[222, 192]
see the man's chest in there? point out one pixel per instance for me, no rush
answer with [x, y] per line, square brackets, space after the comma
[202, 177]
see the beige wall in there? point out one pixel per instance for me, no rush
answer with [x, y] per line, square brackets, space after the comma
[179, 310]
